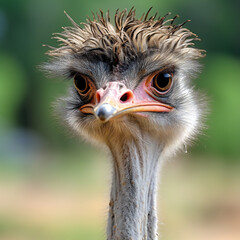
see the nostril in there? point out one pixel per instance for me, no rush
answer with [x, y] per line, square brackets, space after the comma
[98, 97]
[126, 97]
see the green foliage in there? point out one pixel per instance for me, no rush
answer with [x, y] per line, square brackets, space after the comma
[12, 88]
[26, 95]
[221, 81]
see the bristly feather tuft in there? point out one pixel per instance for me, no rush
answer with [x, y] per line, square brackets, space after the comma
[128, 36]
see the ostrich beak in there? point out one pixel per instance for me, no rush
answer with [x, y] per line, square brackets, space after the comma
[105, 111]
[116, 99]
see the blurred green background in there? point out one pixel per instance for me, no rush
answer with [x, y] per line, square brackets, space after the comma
[54, 186]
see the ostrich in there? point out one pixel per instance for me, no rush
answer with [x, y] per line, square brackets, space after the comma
[131, 92]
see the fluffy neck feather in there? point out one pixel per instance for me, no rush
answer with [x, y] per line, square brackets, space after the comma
[132, 211]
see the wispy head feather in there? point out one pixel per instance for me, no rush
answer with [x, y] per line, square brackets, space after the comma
[128, 36]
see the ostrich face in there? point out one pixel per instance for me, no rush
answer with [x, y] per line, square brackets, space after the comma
[129, 80]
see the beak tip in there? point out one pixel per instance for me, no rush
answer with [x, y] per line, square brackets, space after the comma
[104, 112]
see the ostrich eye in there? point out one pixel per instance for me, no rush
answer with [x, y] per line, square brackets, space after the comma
[81, 83]
[162, 82]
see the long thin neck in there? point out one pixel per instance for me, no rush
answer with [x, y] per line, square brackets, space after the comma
[132, 207]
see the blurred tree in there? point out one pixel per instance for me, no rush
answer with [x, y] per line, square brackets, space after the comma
[12, 90]
[221, 81]
[26, 25]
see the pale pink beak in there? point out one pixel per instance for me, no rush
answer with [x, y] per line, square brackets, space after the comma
[116, 99]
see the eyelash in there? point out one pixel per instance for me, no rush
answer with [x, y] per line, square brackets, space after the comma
[84, 86]
[159, 87]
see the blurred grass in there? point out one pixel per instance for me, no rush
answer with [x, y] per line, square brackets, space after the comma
[199, 199]
[12, 229]
[59, 200]
[47, 198]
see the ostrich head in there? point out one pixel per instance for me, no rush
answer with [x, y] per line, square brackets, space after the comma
[132, 92]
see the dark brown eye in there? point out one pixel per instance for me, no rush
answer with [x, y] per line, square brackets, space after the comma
[162, 82]
[81, 83]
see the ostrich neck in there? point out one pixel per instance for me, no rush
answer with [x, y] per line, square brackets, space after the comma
[132, 207]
